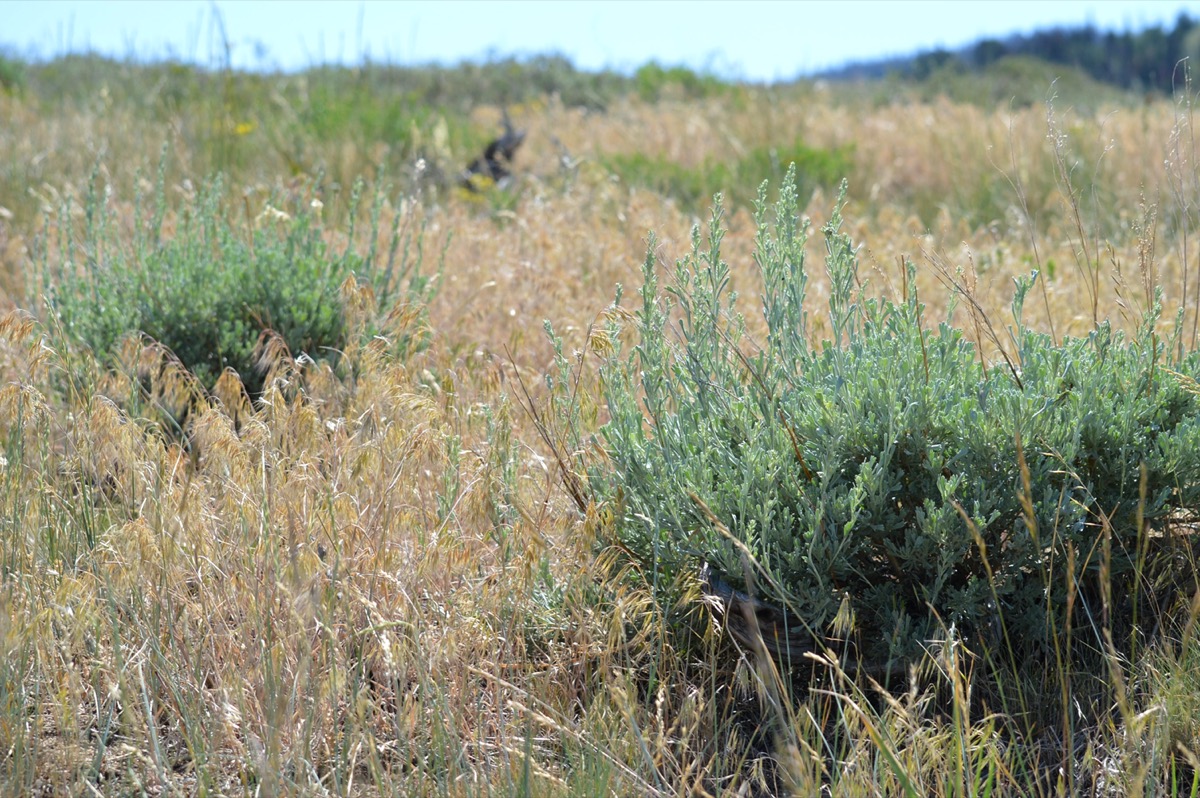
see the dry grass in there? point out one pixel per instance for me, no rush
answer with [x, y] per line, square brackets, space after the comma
[375, 585]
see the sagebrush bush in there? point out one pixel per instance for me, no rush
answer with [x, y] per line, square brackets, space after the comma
[886, 470]
[210, 290]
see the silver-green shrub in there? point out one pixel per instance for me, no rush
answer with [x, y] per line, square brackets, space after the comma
[884, 469]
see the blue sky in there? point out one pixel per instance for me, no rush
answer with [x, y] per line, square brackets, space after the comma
[750, 39]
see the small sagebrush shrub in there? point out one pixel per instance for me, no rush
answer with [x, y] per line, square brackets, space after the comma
[885, 472]
[209, 291]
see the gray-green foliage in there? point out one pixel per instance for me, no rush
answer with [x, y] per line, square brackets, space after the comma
[843, 466]
[210, 289]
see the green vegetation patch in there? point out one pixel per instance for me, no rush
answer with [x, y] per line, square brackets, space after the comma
[886, 475]
[737, 180]
[210, 291]
[1019, 81]
[654, 81]
[12, 74]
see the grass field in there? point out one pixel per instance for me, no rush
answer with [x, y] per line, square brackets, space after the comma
[371, 579]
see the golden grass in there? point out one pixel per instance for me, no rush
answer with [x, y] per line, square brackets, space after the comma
[375, 585]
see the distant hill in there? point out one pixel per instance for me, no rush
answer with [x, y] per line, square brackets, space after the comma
[1146, 60]
[1017, 81]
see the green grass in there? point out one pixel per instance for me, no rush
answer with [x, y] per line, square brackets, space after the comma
[738, 179]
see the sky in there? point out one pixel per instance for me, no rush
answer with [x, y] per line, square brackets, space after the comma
[760, 40]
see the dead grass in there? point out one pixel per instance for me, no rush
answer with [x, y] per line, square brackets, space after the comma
[374, 585]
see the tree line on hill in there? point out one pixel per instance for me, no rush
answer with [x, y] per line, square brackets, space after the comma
[1145, 60]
